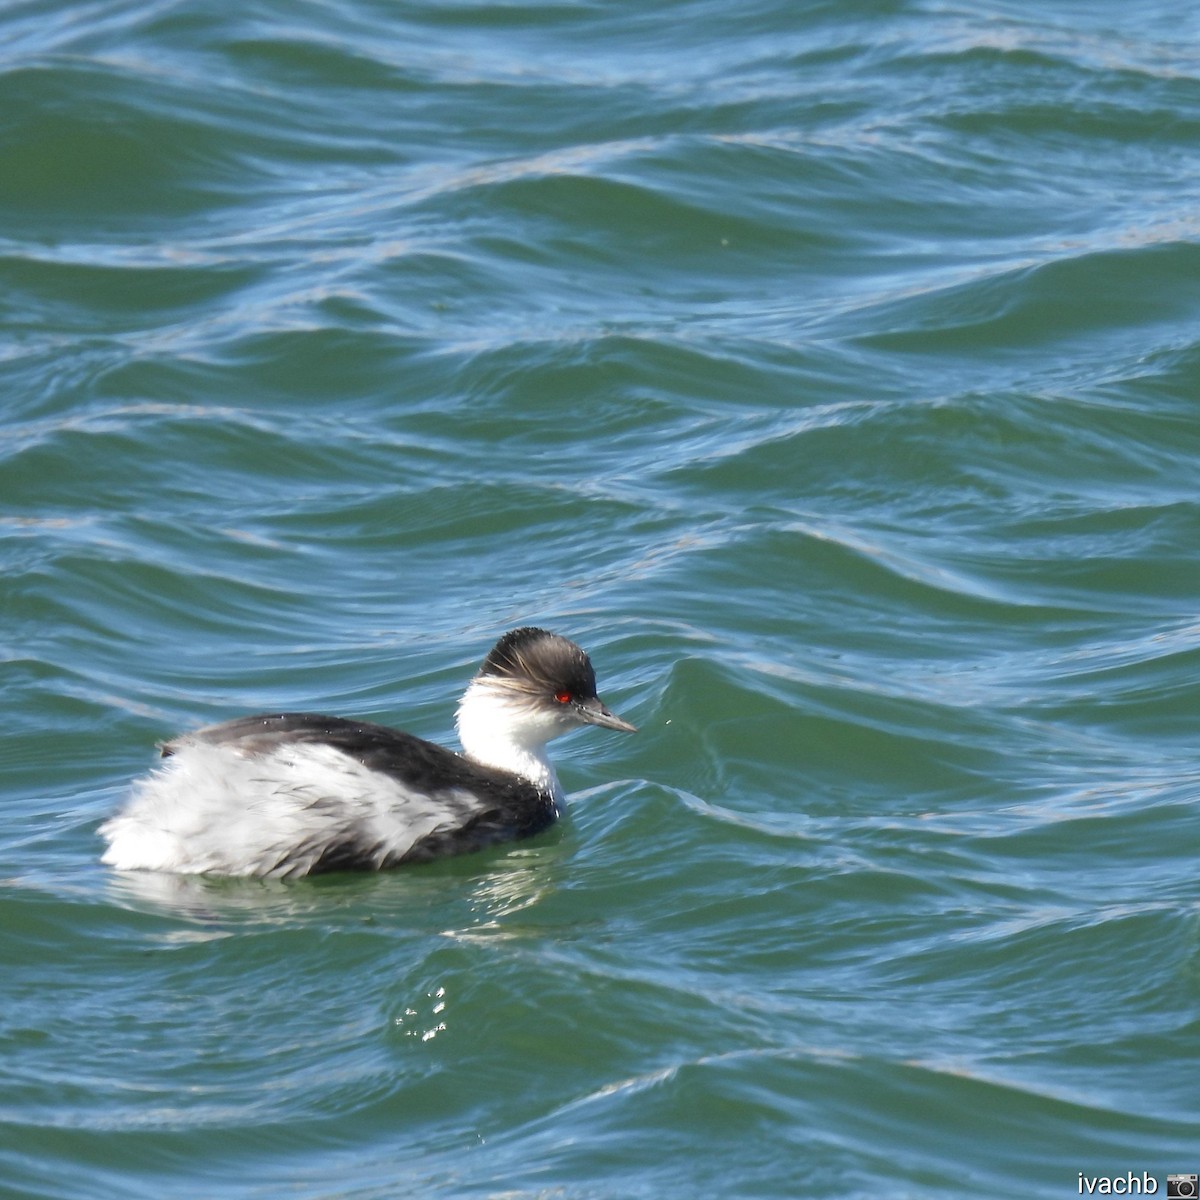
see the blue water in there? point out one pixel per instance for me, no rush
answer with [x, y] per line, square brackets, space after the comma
[831, 372]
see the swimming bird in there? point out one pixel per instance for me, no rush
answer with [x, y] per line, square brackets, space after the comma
[290, 794]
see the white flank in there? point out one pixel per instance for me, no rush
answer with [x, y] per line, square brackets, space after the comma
[209, 808]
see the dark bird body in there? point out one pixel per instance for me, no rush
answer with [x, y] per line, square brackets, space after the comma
[291, 794]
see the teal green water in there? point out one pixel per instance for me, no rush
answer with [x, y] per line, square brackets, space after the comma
[831, 372]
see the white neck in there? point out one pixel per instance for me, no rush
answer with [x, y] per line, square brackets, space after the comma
[497, 733]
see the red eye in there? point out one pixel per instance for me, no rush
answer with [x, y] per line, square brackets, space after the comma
[563, 697]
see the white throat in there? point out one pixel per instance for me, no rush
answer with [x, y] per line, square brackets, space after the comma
[498, 729]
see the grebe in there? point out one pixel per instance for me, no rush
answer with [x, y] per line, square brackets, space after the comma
[294, 794]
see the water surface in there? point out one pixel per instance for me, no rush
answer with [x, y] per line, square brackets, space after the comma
[830, 372]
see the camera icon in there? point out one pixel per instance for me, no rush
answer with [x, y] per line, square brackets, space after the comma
[1182, 1187]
